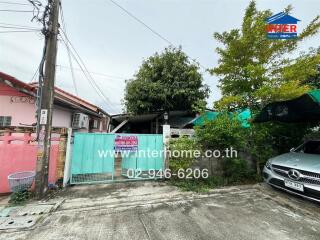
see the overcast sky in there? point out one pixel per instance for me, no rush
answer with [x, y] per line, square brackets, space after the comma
[113, 45]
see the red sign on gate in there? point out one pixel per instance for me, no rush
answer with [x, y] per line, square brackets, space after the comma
[126, 143]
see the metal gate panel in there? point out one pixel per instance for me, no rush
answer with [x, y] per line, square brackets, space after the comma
[143, 160]
[92, 159]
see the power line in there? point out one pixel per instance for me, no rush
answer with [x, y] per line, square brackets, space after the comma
[14, 3]
[151, 29]
[108, 76]
[35, 74]
[88, 78]
[140, 21]
[22, 31]
[9, 27]
[18, 11]
[69, 55]
[15, 25]
[86, 73]
[84, 66]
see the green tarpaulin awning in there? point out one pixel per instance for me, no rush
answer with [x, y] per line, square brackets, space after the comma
[243, 117]
[305, 108]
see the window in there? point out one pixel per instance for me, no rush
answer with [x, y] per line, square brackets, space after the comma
[5, 121]
[94, 124]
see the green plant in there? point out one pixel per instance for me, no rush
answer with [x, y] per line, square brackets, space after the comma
[20, 197]
[254, 70]
[237, 171]
[224, 132]
[198, 185]
[166, 81]
[182, 153]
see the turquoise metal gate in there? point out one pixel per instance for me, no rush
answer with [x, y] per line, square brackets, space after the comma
[94, 155]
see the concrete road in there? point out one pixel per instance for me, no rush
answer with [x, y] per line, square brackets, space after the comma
[156, 211]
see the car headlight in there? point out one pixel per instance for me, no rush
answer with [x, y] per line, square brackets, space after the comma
[268, 164]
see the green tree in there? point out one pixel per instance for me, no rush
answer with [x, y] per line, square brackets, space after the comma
[252, 67]
[166, 81]
[314, 80]
[254, 71]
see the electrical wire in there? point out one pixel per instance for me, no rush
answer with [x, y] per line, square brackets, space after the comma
[86, 69]
[9, 27]
[141, 22]
[107, 76]
[35, 74]
[14, 3]
[69, 55]
[86, 73]
[152, 30]
[18, 11]
[22, 31]
[15, 25]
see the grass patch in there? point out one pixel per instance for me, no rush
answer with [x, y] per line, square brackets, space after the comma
[204, 185]
[197, 185]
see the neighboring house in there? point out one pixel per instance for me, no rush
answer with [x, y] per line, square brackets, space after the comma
[181, 122]
[151, 123]
[18, 108]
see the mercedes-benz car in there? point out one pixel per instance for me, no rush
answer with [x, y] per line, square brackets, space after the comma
[296, 172]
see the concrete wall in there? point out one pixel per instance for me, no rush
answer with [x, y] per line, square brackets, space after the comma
[18, 153]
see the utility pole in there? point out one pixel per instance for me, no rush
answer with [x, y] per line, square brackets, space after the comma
[47, 98]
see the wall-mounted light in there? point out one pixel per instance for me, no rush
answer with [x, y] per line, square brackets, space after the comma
[166, 117]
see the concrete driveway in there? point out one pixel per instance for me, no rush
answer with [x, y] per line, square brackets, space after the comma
[153, 210]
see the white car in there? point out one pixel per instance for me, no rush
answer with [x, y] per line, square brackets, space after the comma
[297, 172]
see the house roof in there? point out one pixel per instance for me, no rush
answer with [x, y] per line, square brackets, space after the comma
[147, 116]
[282, 18]
[61, 96]
[15, 83]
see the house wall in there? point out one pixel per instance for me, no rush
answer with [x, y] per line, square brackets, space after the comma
[21, 112]
[61, 117]
[24, 112]
[21, 107]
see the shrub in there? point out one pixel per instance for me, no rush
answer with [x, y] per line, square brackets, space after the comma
[237, 171]
[185, 146]
[20, 197]
[224, 132]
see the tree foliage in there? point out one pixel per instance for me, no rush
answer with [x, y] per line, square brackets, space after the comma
[254, 70]
[166, 81]
[224, 132]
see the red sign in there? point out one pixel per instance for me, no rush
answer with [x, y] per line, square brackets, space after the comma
[126, 143]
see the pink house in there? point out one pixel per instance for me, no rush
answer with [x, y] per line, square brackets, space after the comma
[18, 150]
[18, 108]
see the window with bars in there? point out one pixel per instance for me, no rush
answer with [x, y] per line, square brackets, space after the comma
[5, 121]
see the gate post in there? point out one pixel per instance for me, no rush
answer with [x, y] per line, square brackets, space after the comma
[166, 139]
